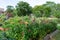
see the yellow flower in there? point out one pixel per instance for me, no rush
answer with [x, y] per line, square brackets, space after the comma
[26, 22]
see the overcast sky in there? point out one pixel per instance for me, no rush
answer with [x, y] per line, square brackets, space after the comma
[4, 3]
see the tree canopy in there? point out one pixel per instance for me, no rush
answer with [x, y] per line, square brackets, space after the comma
[45, 10]
[9, 9]
[23, 9]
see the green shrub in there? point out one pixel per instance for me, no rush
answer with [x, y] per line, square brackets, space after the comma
[58, 26]
[23, 28]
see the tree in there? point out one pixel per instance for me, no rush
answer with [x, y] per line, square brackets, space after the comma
[47, 11]
[10, 9]
[57, 11]
[23, 8]
[51, 6]
[15, 12]
[38, 11]
[42, 11]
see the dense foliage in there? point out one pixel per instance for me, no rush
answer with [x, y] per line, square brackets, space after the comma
[25, 28]
[42, 11]
[49, 9]
[43, 20]
[9, 9]
[23, 9]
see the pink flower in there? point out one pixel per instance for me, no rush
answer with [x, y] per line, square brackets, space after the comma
[2, 29]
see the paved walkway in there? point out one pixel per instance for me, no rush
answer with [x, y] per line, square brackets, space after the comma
[52, 36]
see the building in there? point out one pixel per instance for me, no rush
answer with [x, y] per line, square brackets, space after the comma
[1, 10]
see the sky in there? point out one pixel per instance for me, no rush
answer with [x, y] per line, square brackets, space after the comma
[4, 3]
